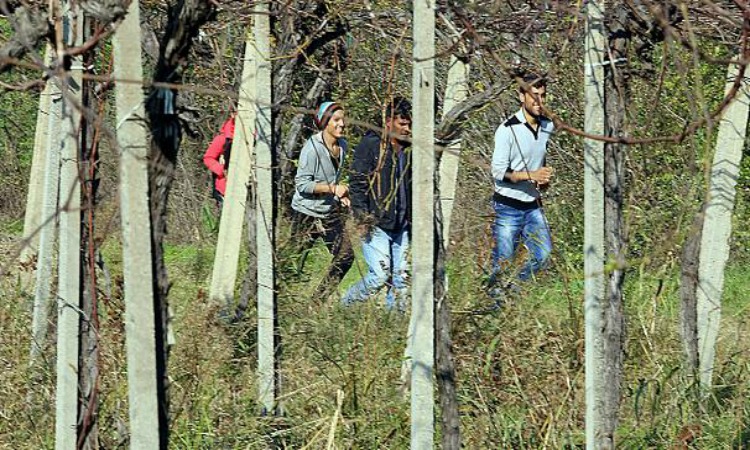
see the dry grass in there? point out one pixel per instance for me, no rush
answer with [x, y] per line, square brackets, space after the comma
[520, 370]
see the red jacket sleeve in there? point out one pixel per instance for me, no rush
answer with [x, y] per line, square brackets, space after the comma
[213, 153]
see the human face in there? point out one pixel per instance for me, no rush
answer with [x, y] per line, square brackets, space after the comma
[399, 128]
[336, 124]
[533, 100]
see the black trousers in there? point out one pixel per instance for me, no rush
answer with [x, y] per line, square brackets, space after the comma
[306, 230]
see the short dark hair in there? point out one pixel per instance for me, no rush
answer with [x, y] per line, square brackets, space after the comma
[531, 79]
[398, 107]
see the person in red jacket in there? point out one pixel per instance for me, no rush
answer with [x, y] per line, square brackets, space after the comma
[216, 159]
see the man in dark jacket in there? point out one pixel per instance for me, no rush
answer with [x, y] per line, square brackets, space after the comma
[380, 190]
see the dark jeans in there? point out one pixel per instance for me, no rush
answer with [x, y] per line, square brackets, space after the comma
[306, 230]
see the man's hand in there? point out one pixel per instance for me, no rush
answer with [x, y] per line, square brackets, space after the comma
[542, 176]
[539, 177]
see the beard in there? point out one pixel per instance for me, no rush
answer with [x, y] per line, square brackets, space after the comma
[531, 112]
[402, 141]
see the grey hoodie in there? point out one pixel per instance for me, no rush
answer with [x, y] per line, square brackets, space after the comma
[315, 166]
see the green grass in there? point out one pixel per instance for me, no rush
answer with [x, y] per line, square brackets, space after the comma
[12, 226]
[736, 282]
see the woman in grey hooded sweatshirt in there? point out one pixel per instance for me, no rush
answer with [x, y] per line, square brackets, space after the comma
[320, 197]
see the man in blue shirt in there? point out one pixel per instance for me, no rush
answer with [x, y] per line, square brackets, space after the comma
[520, 174]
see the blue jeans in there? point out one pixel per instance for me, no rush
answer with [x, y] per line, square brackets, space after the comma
[385, 253]
[512, 226]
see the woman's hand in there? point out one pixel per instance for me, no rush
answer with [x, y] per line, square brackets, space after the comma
[340, 191]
